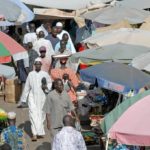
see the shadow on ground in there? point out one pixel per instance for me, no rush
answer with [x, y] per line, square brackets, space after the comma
[44, 146]
[26, 127]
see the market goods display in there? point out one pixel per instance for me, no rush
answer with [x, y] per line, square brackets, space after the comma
[3, 115]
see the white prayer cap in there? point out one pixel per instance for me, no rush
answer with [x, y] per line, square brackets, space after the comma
[38, 60]
[59, 24]
[11, 115]
[38, 30]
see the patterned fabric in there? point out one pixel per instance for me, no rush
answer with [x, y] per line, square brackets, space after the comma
[121, 147]
[68, 139]
[14, 137]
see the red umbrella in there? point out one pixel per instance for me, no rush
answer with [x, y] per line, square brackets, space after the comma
[9, 47]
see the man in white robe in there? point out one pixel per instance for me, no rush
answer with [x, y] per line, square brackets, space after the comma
[34, 92]
[60, 32]
[43, 42]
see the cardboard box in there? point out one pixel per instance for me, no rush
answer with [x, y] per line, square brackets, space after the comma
[12, 91]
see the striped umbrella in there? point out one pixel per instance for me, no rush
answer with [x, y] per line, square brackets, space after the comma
[9, 47]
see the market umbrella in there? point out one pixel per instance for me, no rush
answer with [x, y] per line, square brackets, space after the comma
[64, 4]
[119, 52]
[142, 62]
[7, 71]
[15, 11]
[116, 77]
[115, 14]
[139, 4]
[9, 47]
[129, 122]
[123, 35]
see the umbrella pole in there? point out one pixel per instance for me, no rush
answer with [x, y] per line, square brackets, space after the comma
[107, 142]
[118, 101]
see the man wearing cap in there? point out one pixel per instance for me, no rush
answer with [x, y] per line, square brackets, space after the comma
[60, 33]
[13, 135]
[46, 62]
[43, 42]
[35, 92]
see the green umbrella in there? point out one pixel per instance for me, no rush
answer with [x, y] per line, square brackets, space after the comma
[5, 55]
[115, 114]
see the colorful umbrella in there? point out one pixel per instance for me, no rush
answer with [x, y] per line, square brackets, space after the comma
[9, 47]
[116, 77]
[129, 122]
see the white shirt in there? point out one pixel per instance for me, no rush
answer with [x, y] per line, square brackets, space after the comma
[29, 37]
[68, 139]
[43, 42]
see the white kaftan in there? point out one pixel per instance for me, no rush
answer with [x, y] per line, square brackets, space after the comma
[43, 42]
[29, 37]
[36, 100]
[68, 139]
[73, 50]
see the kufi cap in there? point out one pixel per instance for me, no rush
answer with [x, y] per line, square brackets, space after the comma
[59, 24]
[11, 115]
[38, 60]
[38, 30]
[42, 49]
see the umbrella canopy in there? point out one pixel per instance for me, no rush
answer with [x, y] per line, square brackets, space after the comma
[142, 62]
[139, 4]
[7, 71]
[15, 11]
[129, 122]
[123, 35]
[118, 52]
[63, 4]
[9, 47]
[116, 77]
[115, 114]
[110, 15]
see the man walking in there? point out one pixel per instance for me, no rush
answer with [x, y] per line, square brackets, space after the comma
[68, 138]
[34, 90]
[58, 104]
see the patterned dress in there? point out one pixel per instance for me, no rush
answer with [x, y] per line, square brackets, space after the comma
[14, 137]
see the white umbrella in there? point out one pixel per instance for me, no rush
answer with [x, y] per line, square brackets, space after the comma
[7, 71]
[15, 11]
[142, 62]
[63, 4]
[123, 35]
[115, 14]
[139, 4]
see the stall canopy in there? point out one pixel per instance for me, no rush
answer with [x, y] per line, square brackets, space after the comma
[119, 52]
[9, 47]
[63, 4]
[139, 4]
[7, 71]
[116, 77]
[123, 35]
[115, 14]
[129, 122]
[142, 62]
[15, 11]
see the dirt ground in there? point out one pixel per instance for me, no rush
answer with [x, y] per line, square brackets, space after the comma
[24, 123]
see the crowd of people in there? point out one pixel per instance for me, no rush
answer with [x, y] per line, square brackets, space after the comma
[49, 85]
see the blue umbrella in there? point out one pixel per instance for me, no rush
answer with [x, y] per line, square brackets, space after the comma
[15, 11]
[116, 77]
